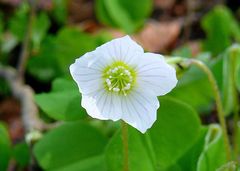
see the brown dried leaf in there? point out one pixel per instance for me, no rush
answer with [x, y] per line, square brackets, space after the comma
[155, 36]
[79, 10]
[41, 4]
[10, 113]
[10, 2]
[158, 36]
[164, 4]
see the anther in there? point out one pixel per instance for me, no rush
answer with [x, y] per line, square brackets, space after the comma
[116, 89]
[108, 81]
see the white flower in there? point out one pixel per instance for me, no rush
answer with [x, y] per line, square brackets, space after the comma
[119, 81]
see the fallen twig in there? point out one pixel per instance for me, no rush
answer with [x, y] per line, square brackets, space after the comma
[25, 95]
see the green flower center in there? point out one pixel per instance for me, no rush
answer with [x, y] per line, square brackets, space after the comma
[119, 78]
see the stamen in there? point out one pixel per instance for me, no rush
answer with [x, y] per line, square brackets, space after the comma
[116, 89]
[119, 78]
[108, 82]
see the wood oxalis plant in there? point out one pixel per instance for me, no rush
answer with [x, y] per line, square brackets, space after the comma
[136, 110]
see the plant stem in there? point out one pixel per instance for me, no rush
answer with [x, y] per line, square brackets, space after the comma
[219, 106]
[125, 145]
[232, 57]
[235, 125]
[235, 120]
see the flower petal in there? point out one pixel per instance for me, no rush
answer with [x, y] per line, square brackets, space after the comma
[140, 109]
[155, 74]
[120, 49]
[102, 105]
[86, 71]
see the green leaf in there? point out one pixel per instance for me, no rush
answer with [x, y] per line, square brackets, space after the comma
[71, 43]
[118, 14]
[62, 84]
[231, 64]
[162, 145]
[196, 93]
[237, 72]
[5, 147]
[2, 25]
[40, 27]
[44, 65]
[58, 52]
[194, 87]
[237, 75]
[89, 164]
[18, 23]
[102, 15]
[176, 121]
[214, 24]
[71, 145]
[123, 13]
[5, 90]
[213, 154]
[21, 154]
[63, 102]
[188, 162]
[60, 11]
[216, 66]
[184, 51]
[238, 140]
[9, 42]
[137, 152]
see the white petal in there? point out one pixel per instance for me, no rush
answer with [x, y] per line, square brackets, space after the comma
[121, 49]
[89, 103]
[155, 74]
[102, 105]
[86, 71]
[140, 109]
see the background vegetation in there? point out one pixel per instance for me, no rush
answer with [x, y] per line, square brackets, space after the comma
[43, 126]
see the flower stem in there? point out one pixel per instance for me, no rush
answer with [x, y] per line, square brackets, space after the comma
[219, 106]
[235, 124]
[125, 145]
[233, 55]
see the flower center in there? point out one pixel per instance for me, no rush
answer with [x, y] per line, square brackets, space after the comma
[119, 77]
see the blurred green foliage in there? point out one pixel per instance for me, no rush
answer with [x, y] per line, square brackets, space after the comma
[21, 154]
[123, 14]
[19, 21]
[190, 159]
[5, 147]
[212, 157]
[18, 152]
[231, 62]
[221, 28]
[176, 142]
[192, 80]
[59, 13]
[63, 103]
[72, 146]
[58, 52]
[40, 27]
